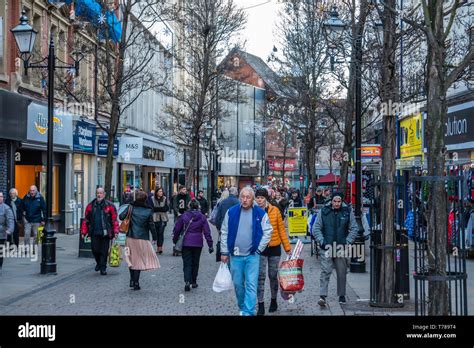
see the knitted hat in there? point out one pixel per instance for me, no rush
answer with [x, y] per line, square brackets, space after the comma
[338, 194]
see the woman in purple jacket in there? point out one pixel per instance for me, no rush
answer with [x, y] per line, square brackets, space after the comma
[196, 224]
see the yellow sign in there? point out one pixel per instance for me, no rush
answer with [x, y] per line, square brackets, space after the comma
[297, 221]
[411, 137]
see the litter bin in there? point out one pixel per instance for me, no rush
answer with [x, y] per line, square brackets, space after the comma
[85, 249]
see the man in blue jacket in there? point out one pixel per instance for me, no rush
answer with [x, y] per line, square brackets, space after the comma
[245, 233]
[34, 208]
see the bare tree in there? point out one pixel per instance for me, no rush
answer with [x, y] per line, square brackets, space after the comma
[208, 30]
[123, 64]
[447, 61]
[304, 62]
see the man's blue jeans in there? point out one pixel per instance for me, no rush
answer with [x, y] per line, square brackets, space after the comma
[244, 270]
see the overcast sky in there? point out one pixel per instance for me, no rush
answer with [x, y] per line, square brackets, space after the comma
[261, 20]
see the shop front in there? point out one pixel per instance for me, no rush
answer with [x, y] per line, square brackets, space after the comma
[30, 161]
[459, 133]
[145, 164]
[84, 159]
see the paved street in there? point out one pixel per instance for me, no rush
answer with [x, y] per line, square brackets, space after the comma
[78, 290]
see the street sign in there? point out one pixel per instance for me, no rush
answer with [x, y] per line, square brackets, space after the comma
[297, 221]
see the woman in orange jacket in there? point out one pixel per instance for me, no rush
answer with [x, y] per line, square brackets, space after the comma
[271, 255]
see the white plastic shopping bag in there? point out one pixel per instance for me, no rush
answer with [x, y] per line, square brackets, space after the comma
[223, 280]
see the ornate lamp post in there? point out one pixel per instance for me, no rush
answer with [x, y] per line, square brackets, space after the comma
[25, 37]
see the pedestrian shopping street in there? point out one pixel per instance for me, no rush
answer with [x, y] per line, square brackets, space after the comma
[78, 290]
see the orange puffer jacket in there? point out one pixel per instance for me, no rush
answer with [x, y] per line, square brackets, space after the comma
[279, 235]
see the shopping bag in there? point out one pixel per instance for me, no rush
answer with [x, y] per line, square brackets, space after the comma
[290, 276]
[223, 280]
[115, 255]
[39, 235]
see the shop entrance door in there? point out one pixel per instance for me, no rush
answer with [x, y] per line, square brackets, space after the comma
[78, 197]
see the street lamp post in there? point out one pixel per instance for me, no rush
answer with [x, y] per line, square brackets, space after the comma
[25, 37]
[334, 28]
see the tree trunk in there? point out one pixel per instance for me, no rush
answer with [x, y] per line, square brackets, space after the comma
[386, 288]
[437, 205]
[109, 166]
[192, 163]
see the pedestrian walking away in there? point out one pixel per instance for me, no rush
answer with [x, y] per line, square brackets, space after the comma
[193, 226]
[101, 225]
[7, 226]
[246, 232]
[16, 204]
[160, 206]
[139, 253]
[203, 203]
[335, 226]
[34, 215]
[272, 253]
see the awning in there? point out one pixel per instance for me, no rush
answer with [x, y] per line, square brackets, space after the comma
[328, 179]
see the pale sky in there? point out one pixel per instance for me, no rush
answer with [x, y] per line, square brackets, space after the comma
[261, 21]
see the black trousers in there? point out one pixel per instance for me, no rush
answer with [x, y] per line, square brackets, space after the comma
[191, 257]
[14, 238]
[134, 275]
[160, 231]
[100, 249]
[2, 242]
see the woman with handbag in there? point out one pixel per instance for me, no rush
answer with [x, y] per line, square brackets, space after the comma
[188, 236]
[139, 253]
[160, 206]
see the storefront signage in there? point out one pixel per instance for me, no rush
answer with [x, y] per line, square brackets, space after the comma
[131, 147]
[290, 165]
[38, 125]
[411, 137]
[459, 126]
[153, 153]
[371, 153]
[250, 168]
[102, 146]
[84, 137]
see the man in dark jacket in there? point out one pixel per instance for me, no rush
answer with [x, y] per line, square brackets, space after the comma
[101, 225]
[14, 202]
[335, 228]
[34, 210]
[203, 203]
[225, 205]
[295, 200]
[181, 201]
